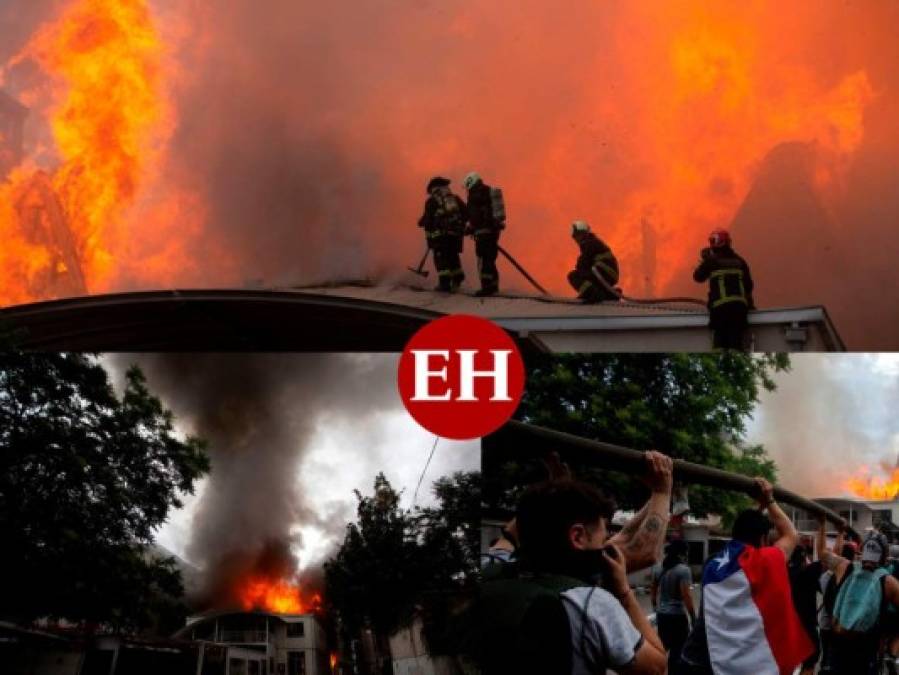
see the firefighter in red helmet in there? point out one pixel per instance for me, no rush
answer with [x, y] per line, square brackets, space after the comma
[730, 290]
[444, 221]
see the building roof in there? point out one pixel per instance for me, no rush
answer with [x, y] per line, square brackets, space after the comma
[566, 324]
[362, 316]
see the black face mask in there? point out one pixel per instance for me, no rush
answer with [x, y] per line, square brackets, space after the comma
[588, 565]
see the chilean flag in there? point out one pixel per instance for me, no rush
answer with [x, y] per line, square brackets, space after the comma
[751, 624]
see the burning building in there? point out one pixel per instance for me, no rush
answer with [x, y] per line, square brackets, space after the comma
[259, 643]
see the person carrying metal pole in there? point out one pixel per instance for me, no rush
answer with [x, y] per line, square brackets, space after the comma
[748, 624]
[595, 255]
[487, 218]
[444, 221]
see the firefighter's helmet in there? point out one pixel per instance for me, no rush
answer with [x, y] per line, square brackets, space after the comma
[437, 181]
[719, 238]
[471, 180]
[579, 227]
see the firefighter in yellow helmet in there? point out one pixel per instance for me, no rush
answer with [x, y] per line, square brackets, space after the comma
[444, 221]
[485, 227]
[596, 258]
[730, 290]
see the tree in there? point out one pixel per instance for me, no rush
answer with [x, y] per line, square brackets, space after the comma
[395, 562]
[85, 479]
[690, 406]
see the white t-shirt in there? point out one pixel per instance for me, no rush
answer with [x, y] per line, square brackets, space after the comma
[602, 634]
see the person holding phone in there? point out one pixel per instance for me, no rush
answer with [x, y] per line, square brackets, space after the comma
[570, 608]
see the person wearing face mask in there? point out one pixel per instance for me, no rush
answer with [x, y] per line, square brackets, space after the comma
[867, 589]
[569, 608]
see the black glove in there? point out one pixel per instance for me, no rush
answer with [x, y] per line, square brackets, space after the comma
[705, 253]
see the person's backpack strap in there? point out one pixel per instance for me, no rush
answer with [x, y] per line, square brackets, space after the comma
[522, 626]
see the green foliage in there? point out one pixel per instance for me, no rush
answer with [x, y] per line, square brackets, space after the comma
[393, 560]
[85, 479]
[690, 406]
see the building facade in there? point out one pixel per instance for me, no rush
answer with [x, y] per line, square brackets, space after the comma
[259, 643]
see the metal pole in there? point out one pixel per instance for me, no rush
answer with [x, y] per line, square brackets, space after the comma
[517, 440]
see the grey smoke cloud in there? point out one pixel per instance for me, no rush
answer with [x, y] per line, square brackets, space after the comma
[260, 414]
[830, 415]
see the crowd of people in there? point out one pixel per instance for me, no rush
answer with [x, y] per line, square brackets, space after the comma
[448, 219]
[556, 594]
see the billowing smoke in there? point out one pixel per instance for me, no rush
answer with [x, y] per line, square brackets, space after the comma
[305, 133]
[831, 416]
[258, 412]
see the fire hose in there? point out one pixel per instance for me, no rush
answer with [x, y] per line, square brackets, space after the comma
[516, 440]
[642, 301]
[521, 269]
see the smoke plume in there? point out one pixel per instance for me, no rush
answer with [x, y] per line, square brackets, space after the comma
[830, 416]
[258, 413]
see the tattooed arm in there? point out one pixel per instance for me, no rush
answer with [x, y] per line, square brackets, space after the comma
[830, 559]
[641, 539]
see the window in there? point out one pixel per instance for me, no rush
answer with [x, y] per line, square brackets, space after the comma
[296, 630]
[882, 516]
[296, 663]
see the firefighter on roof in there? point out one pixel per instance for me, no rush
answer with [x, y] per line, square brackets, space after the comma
[444, 225]
[596, 258]
[730, 290]
[486, 215]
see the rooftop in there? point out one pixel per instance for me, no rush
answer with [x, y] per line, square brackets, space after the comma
[365, 316]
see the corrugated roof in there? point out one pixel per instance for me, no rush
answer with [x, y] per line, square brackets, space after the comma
[504, 305]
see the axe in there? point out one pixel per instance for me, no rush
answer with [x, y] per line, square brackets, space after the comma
[420, 271]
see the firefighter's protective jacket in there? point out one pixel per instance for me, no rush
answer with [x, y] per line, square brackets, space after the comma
[444, 219]
[730, 281]
[596, 253]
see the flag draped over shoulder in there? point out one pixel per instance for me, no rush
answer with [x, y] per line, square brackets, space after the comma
[751, 624]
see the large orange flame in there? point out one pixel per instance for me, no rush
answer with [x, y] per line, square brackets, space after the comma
[868, 486]
[73, 231]
[653, 128]
[277, 595]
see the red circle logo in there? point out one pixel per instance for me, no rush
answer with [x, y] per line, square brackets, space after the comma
[461, 377]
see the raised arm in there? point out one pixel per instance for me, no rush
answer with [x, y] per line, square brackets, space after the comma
[839, 542]
[787, 536]
[830, 559]
[703, 270]
[641, 539]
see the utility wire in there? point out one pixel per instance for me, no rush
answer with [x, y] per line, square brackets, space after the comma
[425, 470]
